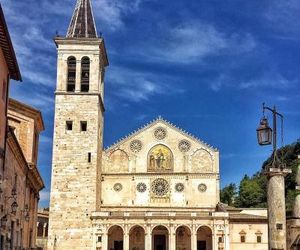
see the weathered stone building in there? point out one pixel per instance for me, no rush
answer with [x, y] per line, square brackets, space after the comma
[156, 189]
[9, 69]
[42, 229]
[21, 181]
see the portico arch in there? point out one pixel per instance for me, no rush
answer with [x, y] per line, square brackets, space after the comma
[115, 238]
[160, 238]
[183, 238]
[137, 238]
[204, 238]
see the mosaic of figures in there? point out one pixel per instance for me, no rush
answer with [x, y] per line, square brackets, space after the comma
[160, 158]
[160, 150]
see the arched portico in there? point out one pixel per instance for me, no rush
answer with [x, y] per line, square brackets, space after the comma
[183, 238]
[160, 238]
[115, 238]
[204, 238]
[137, 238]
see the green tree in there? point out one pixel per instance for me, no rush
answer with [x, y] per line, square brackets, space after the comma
[250, 193]
[228, 194]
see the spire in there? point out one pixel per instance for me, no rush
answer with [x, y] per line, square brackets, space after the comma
[82, 23]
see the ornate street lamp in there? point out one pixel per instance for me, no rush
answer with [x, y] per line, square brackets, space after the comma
[275, 172]
[264, 132]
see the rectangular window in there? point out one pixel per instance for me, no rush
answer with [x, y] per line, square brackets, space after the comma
[69, 125]
[279, 226]
[99, 238]
[243, 238]
[89, 157]
[220, 240]
[258, 238]
[83, 126]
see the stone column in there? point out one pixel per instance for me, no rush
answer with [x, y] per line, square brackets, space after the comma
[276, 208]
[172, 239]
[226, 237]
[194, 238]
[78, 75]
[44, 230]
[148, 238]
[105, 241]
[126, 238]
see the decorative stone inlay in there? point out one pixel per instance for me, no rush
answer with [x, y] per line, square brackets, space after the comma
[141, 187]
[179, 187]
[202, 187]
[136, 146]
[118, 187]
[184, 146]
[160, 187]
[160, 133]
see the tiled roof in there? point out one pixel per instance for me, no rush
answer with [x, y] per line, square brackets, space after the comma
[82, 23]
[8, 50]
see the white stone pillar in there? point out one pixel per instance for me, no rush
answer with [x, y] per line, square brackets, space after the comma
[194, 238]
[78, 75]
[214, 241]
[276, 209]
[172, 239]
[227, 237]
[148, 238]
[126, 238]
[105, 241]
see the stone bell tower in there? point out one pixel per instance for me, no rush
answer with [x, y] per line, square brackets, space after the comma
[78, 132]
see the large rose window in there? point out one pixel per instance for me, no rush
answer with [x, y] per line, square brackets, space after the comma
[160, 187]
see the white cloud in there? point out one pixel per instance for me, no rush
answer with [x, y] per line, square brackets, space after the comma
[44, 195]
[139, 86]
[283, 17]
[193, 41]
[111, 12]
[274, 80]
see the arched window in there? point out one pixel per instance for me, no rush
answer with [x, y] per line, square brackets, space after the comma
[71, 74]
[85, 74]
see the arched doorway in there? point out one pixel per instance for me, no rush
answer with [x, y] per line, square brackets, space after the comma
[160, 238]
[204, 238]
[115, 238]
[183, 238]
[137, 238]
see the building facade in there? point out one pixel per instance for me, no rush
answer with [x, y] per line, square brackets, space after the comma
[21, 179]
[156, 189]
[9, 69]
[42, 229]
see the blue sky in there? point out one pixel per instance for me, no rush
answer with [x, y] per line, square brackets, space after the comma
[205, 66]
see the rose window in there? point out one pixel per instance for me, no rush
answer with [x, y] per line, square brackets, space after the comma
[141, 187]
[118, 187]
[184, 146]
[202, 187]
[179, 187]
[136, 146]
[160, 133]
[160, 187]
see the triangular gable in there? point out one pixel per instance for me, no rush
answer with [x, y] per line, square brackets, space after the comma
[152, 124]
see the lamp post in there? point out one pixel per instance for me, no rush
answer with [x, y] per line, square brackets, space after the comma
[275, 172]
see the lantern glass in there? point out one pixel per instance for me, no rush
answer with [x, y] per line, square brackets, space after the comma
[264, 133]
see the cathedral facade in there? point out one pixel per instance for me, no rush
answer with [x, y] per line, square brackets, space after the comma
[157, 189]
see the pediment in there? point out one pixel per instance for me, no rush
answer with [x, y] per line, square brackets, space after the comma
[160, 147]
[155, 131]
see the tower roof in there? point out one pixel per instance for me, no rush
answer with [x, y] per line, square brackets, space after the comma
[82, 23]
